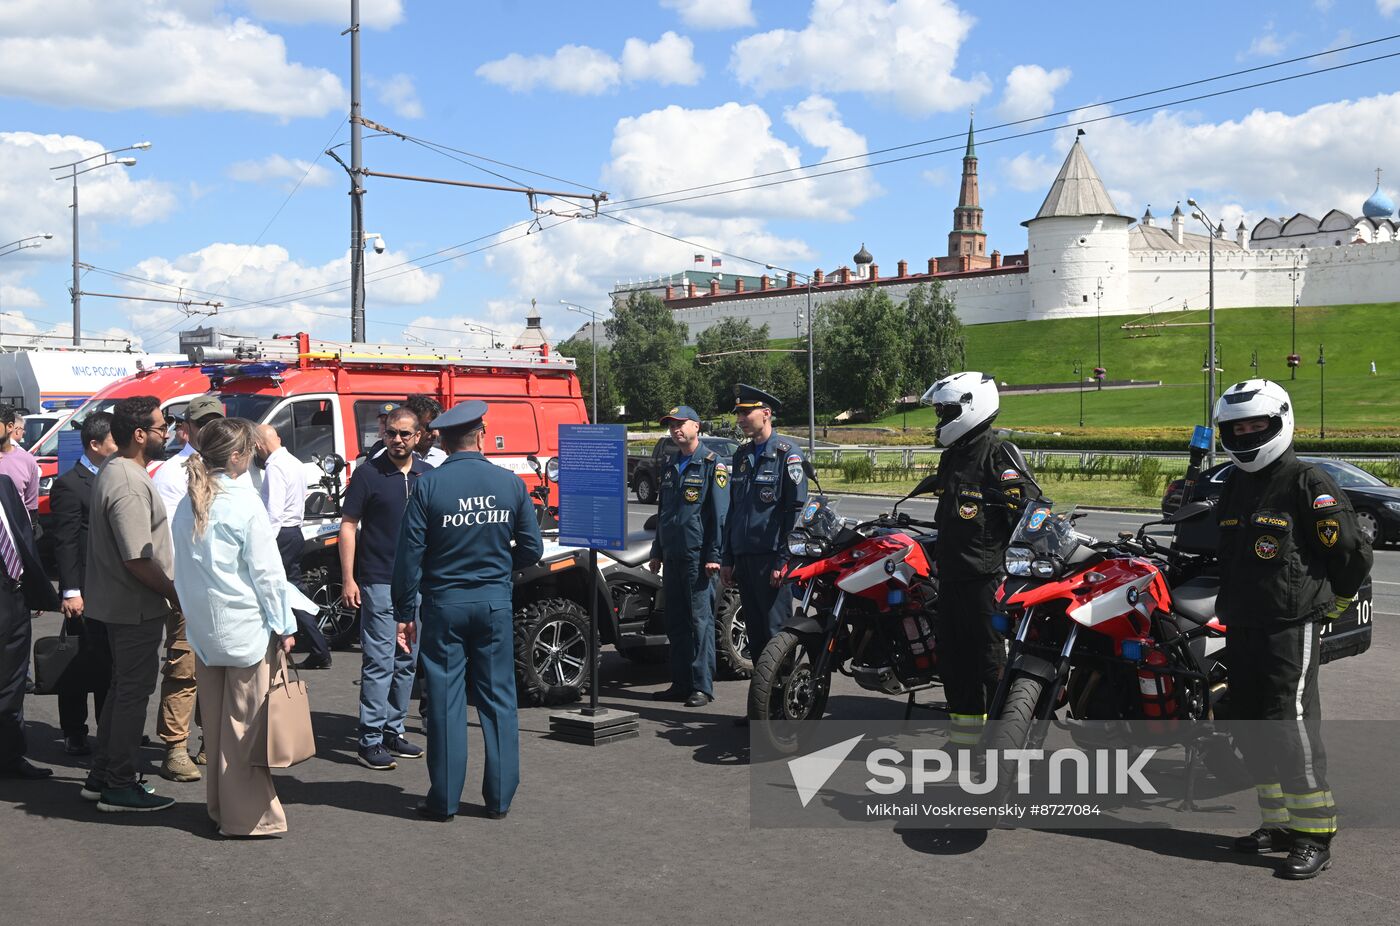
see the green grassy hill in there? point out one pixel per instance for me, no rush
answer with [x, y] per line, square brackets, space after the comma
[1046, 351]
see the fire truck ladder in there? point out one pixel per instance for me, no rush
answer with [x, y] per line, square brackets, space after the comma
[293, 350]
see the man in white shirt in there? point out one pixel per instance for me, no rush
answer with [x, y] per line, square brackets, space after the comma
[178, 689]
[284, 496]
[427, 409]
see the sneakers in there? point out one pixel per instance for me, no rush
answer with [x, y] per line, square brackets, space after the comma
[77, 745]
[178, 766]
[132, 799]
[1265, 839]
[201, 757]
[1308, 859]
[399, 746]
[377, 757]
[92, 790]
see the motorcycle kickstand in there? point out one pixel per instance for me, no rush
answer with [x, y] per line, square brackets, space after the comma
[1194, 762]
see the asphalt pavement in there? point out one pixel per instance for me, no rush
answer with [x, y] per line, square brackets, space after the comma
[651, 830]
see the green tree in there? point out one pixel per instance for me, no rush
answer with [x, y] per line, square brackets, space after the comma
[719, 374]
[861, 351]
[647, 355]
[581, 350]
[936, 346]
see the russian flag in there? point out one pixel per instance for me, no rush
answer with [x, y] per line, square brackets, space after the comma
[714, 261]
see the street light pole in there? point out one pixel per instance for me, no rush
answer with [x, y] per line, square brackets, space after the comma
[357, 214]
[1210, 373]
[1098, 330]
[23, 243]
[1293, 353]
[593, 325]
[73, 172]
[1079, 376]
[811, 365]
[1322, 391]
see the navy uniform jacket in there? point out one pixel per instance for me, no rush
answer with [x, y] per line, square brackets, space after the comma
[694, 505]
[1288, 543]
[457, 531]
[767, 497]
[979, 480]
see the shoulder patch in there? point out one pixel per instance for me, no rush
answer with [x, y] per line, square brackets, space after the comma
[1324, 501]
[1009, 474]
[794, 458]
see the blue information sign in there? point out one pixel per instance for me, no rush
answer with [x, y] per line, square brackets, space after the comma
[593, 486]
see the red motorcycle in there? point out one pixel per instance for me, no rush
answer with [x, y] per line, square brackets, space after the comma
[868, 595]
[1121, 632]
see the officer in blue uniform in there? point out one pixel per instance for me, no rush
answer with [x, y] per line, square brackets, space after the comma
[689, 536]
[468, 526]
[770, 488]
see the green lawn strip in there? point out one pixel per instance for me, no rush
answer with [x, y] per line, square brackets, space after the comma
[1109, 493]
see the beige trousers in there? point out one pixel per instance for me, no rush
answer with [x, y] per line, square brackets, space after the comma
[233, 703]
[177, 686]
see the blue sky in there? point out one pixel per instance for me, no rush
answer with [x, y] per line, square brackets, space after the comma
[239, 99]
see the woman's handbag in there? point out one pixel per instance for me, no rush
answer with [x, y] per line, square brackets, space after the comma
[52, 656]
[288, 737]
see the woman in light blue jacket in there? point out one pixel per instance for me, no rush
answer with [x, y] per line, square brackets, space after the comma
[237, 606]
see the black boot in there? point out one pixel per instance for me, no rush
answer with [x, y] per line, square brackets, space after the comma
[1309, 858]
[1265, 839]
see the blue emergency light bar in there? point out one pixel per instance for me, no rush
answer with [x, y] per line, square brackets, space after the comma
[1202, 437]
[54, 405]
[264, 368]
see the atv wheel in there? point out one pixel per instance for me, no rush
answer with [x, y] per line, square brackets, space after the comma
[732, 659]
[338, 624]
[552, 661]
[784, 691]
[646, 490]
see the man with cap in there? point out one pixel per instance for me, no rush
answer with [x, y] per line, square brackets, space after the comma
[694, 503]
[177, 686]
[770, 488]
[469, 525]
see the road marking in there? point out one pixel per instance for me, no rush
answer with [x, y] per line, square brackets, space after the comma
[1383, 582]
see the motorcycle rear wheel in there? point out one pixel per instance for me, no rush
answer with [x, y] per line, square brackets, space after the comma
[784, 691]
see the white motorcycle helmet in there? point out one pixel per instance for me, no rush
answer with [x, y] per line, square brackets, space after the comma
[1255, 398]
[963, 401]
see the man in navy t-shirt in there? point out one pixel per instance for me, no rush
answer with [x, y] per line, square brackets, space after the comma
[374, 504]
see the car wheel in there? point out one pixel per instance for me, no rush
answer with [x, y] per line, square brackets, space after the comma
[646, 490]
[1369, 525]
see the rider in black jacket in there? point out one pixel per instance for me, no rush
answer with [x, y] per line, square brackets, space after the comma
[1291, 556]
[981, 482]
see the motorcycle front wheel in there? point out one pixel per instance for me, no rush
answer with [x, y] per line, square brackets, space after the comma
[785, 691]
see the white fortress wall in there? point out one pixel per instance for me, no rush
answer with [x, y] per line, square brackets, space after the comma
[1069, 257]
[1346, 275]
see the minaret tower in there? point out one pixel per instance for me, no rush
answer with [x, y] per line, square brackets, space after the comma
[967, 239]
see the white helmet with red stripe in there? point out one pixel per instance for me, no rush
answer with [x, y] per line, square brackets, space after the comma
[963, 401]
[1262, 399]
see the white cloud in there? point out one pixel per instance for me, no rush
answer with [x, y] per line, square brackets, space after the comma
[587, 71]
[376, 14]
[677, 148]
[265, 273]
[571, 69]
[668, 60]
[399, 94]
[1030, 91]
[31, 202]
[899, 51]
[281, 170]
[168, 55]
[18, 297]
[1387, 7]
[1266, 163]
[1268, 44]
[712, 14]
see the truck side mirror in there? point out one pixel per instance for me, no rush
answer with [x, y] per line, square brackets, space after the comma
[534, 462]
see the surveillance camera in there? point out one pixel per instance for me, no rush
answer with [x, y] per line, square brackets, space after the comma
[379, 245]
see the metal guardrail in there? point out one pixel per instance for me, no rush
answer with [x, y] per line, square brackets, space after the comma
[907, 456]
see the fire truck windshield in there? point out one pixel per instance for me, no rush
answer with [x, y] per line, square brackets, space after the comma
[242, 405]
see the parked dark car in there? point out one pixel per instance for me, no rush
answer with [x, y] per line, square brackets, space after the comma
[1377, 503]
[644, 473]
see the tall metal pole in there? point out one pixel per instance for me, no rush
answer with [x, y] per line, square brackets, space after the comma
[77, 291]
[357, 220]
[811, 379]
[594, 377]
[1293, 367]
[1322, 391]
[1210, 375]
[1098, 329]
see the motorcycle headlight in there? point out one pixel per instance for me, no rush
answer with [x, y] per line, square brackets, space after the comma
[1043, 569]
[551, 469]
[45, 485]
[1018, 562]
[1390, 506]
[797, 544]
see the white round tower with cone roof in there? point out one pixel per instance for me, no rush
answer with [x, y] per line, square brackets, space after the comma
[1078, 241]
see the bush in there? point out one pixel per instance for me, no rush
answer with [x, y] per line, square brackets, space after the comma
[858, 469]
[1150, 480]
